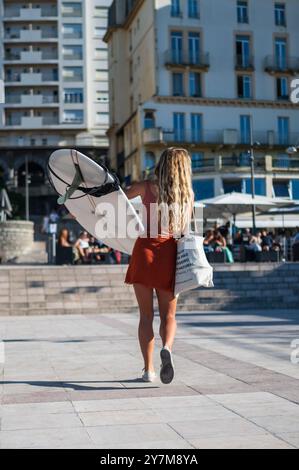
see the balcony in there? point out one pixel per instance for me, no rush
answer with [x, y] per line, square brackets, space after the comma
[31, 14]
[282, 65]
[31, 35]
[244, 62]
[31, 122]
[152, 135]
[204, 165]
[223, 137]
[177, 59]
[31, 57]
[241, 160]
[29, 100]
[285, 163]
[31, 78]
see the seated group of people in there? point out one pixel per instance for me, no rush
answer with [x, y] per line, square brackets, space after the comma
[262, 241]
[87, 250]
[219, 240]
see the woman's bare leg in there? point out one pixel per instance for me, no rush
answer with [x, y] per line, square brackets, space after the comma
[167, 308]
[145, 301]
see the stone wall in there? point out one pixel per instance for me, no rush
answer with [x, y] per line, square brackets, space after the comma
[16, 238]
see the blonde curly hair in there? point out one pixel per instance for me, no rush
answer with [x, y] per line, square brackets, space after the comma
[174, 175]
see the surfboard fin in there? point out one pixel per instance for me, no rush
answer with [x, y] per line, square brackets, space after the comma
[78, 179]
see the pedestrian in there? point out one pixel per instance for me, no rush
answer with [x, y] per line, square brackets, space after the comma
[153, 262]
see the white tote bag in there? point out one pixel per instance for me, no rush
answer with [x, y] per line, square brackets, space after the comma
[192, 268]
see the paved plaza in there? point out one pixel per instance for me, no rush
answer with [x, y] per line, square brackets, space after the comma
[72, 382]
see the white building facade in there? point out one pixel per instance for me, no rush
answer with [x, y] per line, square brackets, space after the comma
[54, 65]
[221, 74]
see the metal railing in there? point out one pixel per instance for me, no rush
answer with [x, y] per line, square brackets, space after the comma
[282, 64]
[244, 62]
[18, 55]
[181, 58]
[221, 136]
[285, 163]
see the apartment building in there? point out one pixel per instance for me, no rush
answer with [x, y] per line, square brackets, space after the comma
[211, 76]
[54, 65]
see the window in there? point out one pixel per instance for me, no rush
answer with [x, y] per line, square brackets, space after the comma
[197, 160]
[99, 32]
[281, 53]
[193, 9]
[259, 186]
[230, 186]
[244, 86]
[73, 116]
[195, 84]
[149, 120]
[101, 54]
[101, 75]
[102, 96]
[72, 53]
[281, 188]
[282, 88]
[176, 8]
[102, 119]
[243, 51]
[179, 127]
[242, 12]
[73, 74]
[177, 47]
[101, 12]
[283, 124]
[295, 189]
[245, 129]
[73, 95]
[203, 189]
[178, 84]
[72, 31]
[280, 14]
[196, 127]
[72, 9]
[282, 161]
[194, 48]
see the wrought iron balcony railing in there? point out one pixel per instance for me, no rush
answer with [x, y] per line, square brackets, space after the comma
[244, 62]
[176, 58]
[282, 64]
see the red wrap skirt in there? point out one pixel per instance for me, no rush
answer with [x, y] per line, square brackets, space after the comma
[153, 263]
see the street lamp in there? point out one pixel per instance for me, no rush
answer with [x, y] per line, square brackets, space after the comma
[27, 182]
[292, 150]
[253, 145]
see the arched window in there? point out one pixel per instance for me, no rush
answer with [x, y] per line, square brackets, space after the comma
[36, 173]
[149, 120]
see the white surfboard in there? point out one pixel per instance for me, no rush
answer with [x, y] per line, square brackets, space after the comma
[93, 195]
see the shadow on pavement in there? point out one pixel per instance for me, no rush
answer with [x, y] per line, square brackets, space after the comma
[75, 385]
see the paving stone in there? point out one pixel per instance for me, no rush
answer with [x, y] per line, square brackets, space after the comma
[261, 441]
[133, 434]
[46, 438]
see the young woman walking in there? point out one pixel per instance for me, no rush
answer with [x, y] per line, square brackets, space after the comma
[153, 263]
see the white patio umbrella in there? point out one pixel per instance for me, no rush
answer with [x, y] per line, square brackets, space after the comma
[239, 203]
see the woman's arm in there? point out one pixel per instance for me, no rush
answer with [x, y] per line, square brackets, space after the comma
[137, 189]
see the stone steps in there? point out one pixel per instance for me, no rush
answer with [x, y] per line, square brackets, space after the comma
[42, 290]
